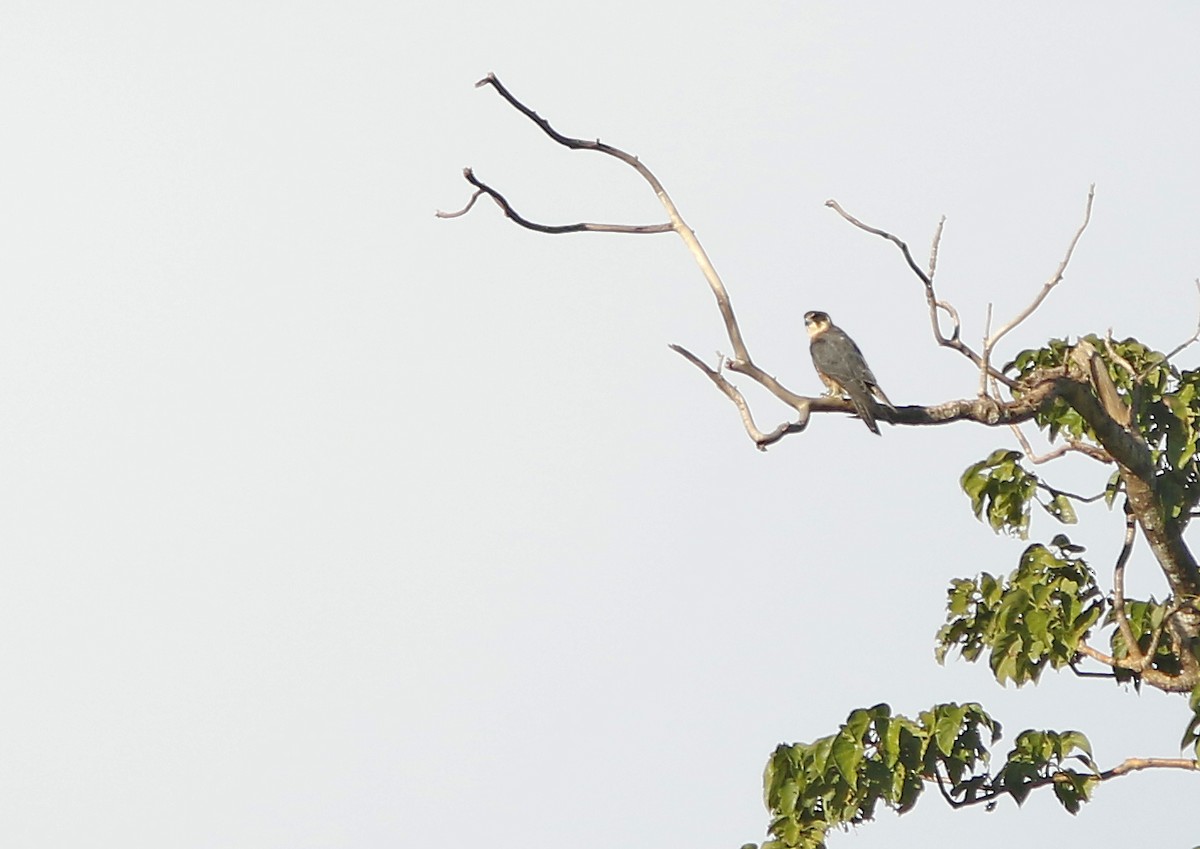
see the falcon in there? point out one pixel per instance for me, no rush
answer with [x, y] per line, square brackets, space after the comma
[841, 366]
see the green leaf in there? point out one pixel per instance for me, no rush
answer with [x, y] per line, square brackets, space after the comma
[948, 726]
[1060, 508]
[847, 754]
[1112, 488]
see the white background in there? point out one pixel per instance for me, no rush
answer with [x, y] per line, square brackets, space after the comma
[324, 522]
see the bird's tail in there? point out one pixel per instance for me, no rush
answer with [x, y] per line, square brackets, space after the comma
[861, 400]
[883, 399]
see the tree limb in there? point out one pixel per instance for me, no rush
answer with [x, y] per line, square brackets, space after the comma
[1156, 678]
[761, 440]
[1127, 447]
[1124, 768]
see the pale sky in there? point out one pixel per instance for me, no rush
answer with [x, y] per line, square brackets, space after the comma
[326, 523]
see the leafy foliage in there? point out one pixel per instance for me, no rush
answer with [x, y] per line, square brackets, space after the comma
[1164, 404]
[874, 757]
[1036, 617]
[1146, 620]
[1037, 758]
[1000, 486]
[1004, 489]
[877, 756]
[1039, 616]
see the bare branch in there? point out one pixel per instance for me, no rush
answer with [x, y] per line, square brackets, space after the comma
[954, 340]
[1159, 680]
[1134, 764]
[465, 209]
[761, 440]
[933, 248]
[1083, 499]
[1194, 336]
[677, 224]
[1072, 445]
[1083, 673]
[1054, 280]
[925, 278]
[554, 229]
[985, 364]
[986, 411]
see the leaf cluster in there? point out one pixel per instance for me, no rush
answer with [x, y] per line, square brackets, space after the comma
[1037, 758]
[874, 757]
[1036, 617]
[1146, 619]
[1004, 489]
[1164, 405]
[877, 756]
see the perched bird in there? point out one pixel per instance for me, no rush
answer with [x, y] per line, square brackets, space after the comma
[841, 366]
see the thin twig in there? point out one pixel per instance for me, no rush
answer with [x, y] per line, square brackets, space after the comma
[987, 353]
[554, 229]
[464, 210]
[1054, 280]
[954, 340]
[1194, 336]
[1083, 673]
[933, 248]
[950, 800]
[1093, 451]
[925, 278]
[677, 223]
[1083, 499]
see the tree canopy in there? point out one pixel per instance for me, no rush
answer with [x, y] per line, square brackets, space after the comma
[1120, 403]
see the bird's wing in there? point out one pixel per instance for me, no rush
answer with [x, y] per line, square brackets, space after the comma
[837, 357]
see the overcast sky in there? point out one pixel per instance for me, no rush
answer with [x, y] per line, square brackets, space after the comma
[326, 523]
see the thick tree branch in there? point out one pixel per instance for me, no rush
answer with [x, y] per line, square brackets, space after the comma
[1164, 535]
[986, 411]
[1156, 678]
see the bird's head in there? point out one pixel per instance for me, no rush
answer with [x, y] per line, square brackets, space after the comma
[816, 322]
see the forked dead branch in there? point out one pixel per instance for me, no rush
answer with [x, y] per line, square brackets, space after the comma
[986, 408]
